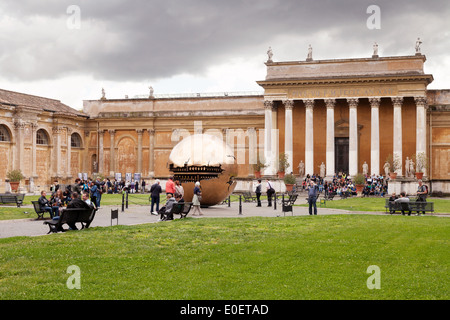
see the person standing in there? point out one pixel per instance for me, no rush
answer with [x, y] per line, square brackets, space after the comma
[155, 191]
[179, 190]
[270, 192]
[258, 193]
[422, 192]
[312, 197]
[143, 186]
[196, 200]
[170, 186]
[95, 194]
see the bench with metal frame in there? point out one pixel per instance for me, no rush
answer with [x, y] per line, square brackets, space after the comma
[411, 206]
[288, 203]
[181, 208]
[71, 216]
[249, 197]
[16, 198]
[39, 211]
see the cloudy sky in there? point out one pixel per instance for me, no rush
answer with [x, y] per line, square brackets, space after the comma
[70, 50]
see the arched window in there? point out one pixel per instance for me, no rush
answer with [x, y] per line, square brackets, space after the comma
[4, 134]
[41, 137]
[75, 140]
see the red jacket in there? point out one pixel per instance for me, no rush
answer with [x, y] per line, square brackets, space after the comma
[170, 186]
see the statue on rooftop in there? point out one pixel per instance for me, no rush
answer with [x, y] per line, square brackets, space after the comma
[309, 57]
[418, 43]
[375, 50]
[269, 54]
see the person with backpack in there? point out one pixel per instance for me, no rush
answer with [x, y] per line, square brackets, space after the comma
[422, 192]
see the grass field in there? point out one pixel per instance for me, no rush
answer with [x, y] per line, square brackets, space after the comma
[351, 204]
[320, 257]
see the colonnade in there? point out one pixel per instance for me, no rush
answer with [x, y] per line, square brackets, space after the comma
[270, 143]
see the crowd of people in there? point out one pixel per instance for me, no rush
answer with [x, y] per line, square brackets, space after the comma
[82, 194]
[343, 186]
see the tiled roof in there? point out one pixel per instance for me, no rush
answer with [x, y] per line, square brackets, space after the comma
[26, 100]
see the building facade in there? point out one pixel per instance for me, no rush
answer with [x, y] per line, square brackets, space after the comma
[342, 114]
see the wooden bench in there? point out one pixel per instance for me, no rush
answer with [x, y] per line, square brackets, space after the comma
[72, 216]
[37, 208]
[16, 198]
[181, 208]
[288, 203]
[411, 206]
[248, 196]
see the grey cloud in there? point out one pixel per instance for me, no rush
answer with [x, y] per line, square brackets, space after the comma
[134, 40]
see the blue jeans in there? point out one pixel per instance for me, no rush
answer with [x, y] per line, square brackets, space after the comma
[54, 211]
[312, 202]
[155, 200]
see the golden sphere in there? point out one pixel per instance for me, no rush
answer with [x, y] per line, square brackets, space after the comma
[209, 160]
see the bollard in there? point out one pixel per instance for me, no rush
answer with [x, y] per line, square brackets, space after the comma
[275, 201]
[126, 204]
[229, 201]
[240, 205]
[123, 201]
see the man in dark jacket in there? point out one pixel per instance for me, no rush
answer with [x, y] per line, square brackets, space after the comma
[258, 193]
[155, 191]
[44, 204]
[312, 197]
[77, 203]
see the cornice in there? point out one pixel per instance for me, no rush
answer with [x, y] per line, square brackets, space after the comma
[428, 78]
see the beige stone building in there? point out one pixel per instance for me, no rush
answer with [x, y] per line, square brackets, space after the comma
[342, 113]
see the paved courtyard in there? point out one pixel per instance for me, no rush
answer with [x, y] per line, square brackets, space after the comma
[141, 214]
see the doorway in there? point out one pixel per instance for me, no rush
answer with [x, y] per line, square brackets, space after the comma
[341, 154]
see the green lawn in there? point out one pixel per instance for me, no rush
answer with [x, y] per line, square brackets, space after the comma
[320, 257]
[351, 204]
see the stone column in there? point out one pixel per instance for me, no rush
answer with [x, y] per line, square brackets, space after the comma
[151, 160]
[252, 150]
[101, 134]
[353, 136]
[421, 129]
[398, 136]
[19, 126]
[139, 153]
[69, 152]
[275, 139]
[57, 150]
[112, 134]
[309, 136]
[289, 134]
[330, 152]
[269, 170]
[34, 127]
[375, 136]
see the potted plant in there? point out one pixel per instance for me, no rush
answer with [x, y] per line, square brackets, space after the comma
[421, 161]
[283, 164]
[360, 181]
[289, 181]
[394, 165]
[14, 177]
[257, 167]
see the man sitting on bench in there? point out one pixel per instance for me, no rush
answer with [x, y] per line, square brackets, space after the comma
[165, 211]
[76, 202]
[45, 205]
[403, 201]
